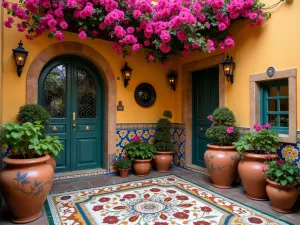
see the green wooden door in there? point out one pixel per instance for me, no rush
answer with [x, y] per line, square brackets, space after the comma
[205, 100]
[71, 90]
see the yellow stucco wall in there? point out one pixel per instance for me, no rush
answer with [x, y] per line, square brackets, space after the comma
[275, 43]
[14, 88]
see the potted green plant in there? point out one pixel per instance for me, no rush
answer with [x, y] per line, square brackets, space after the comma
[282, 176]
[141, 153]
[221, 159]
[123, 165]
[26, 178]
[163, 143]
[256, 147]
[32, 113]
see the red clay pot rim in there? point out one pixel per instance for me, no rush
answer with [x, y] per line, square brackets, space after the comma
[124, 169]
[142, 160]
[279, 185]
[260, 156]
[163, 153]
[219, 147]
[10, 161]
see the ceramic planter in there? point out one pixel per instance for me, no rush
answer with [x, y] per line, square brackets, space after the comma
[251, 173]
[163, 161]
[141, 167]
[221, 163]
[283, 198]
[25, 184]
[52, 162]
[123, 172]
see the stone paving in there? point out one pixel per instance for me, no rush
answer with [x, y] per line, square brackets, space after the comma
[236, 193]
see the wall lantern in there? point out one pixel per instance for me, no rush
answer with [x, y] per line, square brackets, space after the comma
[126, 72]
[228, 66]
[172, 79]
[20, 55]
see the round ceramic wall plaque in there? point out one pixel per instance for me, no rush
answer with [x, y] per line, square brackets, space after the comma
[270, 71]
[145, 95]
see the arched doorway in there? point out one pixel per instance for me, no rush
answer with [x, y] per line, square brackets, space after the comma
[71, 89]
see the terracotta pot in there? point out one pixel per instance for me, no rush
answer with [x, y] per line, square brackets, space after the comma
[283, 198]
[52, 162]
[141, 166]
[251, 173]
[163, 161]
[221, 163]
[124, 172]
[25, 184]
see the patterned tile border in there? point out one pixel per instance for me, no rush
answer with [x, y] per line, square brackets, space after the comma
[80, 175]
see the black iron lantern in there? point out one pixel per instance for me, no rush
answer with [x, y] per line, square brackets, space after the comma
[126, 72]
[172, 79]
[20, 55]
[228, 66]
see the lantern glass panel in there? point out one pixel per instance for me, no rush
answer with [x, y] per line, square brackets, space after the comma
[20, 58]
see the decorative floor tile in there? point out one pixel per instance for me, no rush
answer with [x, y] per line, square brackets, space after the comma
[156, 201]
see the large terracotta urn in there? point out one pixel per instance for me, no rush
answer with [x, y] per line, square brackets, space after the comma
[221, 163]
[141, 167]
[283, 198]
[25, 184]
[52, 162]
[163, 161]
[252, 176]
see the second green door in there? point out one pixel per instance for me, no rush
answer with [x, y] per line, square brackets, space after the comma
[71, 89]
[205, 100]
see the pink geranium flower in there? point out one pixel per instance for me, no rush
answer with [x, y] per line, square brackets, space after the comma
[257, 127]
[210, 117]
[136, 138]
[230, 130]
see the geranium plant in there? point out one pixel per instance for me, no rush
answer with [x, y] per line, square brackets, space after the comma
[282, 171]
[262, 140]
[138, 149]
[223, 128]
[123, 163]
[168, 27]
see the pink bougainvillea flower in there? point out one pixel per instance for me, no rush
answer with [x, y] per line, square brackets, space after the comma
[5, 4]
[59, 35]
[82, 35]
[151, 58]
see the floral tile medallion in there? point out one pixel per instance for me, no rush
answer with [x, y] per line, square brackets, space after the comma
[157, 201]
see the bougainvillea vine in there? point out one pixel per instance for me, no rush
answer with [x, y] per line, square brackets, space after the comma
[163, 28]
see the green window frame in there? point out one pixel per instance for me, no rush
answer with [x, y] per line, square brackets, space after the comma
[274, 105]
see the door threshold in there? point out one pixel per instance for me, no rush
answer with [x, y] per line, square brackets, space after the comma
[198, 169]
[79, 173]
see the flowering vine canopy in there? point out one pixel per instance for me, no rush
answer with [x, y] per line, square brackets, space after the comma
[163, 28]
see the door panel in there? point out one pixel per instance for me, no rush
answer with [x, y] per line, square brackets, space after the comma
[205, 100]
[72, 91]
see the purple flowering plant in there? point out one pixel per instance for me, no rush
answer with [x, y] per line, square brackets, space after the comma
[261, 141]
[223, 128]
[139, 149]
[163, 27]
[282, 171]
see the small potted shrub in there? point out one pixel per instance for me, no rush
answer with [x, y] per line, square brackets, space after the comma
[282, 177]
[220, 158]
[141, 153]
[163, 144]
[26, 178]
[256, 147]
[123, 165]
[32, 113]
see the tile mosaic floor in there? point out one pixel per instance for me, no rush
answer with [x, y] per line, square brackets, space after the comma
[235, 193]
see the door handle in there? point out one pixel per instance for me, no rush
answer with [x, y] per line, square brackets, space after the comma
[201, 129]
[74, 126]
[74, 116]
